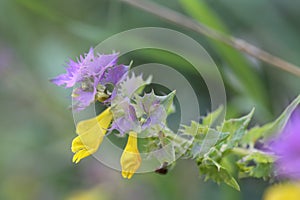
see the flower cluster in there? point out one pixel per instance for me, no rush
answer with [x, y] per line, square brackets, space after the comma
[90, 74]
[127, 112]
[146, 115]
[131, 112]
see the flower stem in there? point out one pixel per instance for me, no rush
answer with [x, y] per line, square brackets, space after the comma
[237, 43]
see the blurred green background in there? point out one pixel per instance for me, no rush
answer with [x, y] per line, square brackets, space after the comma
[37, 38]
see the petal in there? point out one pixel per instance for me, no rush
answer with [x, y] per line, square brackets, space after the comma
[287, 148]
[71, 76]
[126, 120]
[102, 62]
[90, 135]
[84, 98]
[115, 74]
[87, 143]
[102, 120]
[130, 160]
[286, 191]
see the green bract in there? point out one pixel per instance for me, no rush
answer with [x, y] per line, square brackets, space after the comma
[221, 147]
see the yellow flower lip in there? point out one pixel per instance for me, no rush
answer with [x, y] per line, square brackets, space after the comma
[90, 135]
[130, 160]
[286, 191]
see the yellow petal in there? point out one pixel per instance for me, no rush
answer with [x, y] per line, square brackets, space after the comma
[90, 135]
[103, 119]
[287, 191]
[130, 160]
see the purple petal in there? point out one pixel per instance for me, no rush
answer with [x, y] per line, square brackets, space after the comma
[115, 74]
[149, 102]
[131, 113]
[157, 116]
[123, 125]
[287, 148]
[128, 121]
[89, 56]
[84, 98]
[70, 78]
[101, 63]
[146, 124]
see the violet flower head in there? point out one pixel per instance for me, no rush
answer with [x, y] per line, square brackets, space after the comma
[287, 148]
[147, 114]
[74, 70]
[115, 74]
[90, 74]
[125, 118]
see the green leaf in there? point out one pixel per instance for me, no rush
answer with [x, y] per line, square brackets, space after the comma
[204, 138]
[213, 118]
[270, 129]
[258, 165]
[194, 129]
[237, 128]
[151, 102]
[181, 142]
[167, 101]
[132, 85]
[216, 172]
[202, 145]
[199, 130]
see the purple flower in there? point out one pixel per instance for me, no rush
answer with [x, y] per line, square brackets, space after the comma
[75, 71]
[87, 73]
[145, 113]
[287, 148]
[125, 118]
[116, 74]
[84, 97]
[101, 63]
[157, 117]
[154, 112]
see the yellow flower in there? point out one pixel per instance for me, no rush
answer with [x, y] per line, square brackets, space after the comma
[90, 135]
[130, 159]
[287, 191]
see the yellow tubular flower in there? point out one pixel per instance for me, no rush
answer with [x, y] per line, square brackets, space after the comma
[90, 135]
[288, 191]
[130, 159]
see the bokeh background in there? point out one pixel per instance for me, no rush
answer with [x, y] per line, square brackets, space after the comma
[38, 37]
